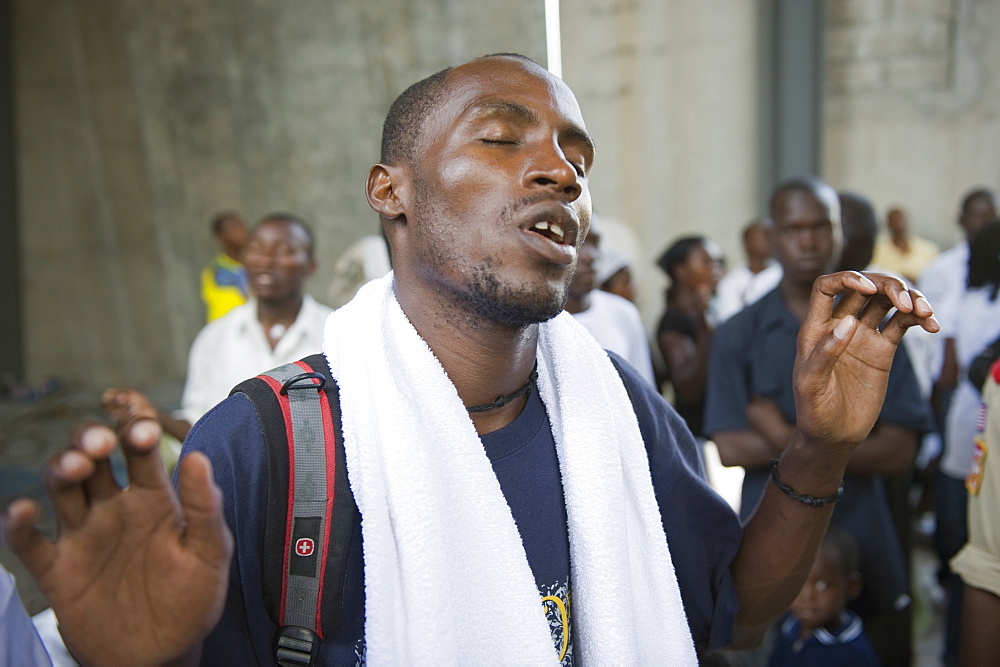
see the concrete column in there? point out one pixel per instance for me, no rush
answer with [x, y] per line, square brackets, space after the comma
[669, 91]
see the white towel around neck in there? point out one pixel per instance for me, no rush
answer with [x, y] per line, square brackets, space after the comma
[446, 576]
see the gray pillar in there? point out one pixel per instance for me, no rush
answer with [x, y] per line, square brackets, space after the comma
[791, 91]
[11, 349]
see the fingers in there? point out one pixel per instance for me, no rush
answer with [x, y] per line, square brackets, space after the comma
[201, 502]
[140, 440]
[891, 293]
[22, 536]
[851, 286]
[870, 297]
[819, 361]
[97, 442]
[898, 324]
[64, 477]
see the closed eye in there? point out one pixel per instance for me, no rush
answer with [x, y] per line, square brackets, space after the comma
[498, 142]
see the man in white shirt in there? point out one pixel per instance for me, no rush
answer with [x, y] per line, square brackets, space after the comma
[746, 283]
[280, 324]
[612, 320]
[943, 281]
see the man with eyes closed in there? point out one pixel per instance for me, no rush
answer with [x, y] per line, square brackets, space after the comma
[568, 519]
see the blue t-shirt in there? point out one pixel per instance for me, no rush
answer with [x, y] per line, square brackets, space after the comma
[702, 532]
[845, 645]
[753, 354]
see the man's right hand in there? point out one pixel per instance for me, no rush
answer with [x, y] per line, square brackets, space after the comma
[137, 575]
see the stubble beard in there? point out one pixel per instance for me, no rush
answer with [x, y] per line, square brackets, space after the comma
[480, 291]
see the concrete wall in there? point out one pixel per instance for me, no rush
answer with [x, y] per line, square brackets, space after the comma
[136, 120]
[669, 91]
[912, 105]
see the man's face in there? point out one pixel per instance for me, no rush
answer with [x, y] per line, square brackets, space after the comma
[976, 214]
[806, 240]
[500, 203]
[277, 260]
[897, 222]
[701, 270]
[758, 242]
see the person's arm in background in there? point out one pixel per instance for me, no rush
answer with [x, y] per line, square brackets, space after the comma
[687, 361]
[123, 405]
[728, 402]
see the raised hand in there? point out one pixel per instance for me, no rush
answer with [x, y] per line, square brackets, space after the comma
[844, 355]
[137, 575]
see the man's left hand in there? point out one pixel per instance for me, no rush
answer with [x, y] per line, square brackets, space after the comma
[845, 349]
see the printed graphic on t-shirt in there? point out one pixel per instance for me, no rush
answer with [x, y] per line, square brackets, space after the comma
[555, 599]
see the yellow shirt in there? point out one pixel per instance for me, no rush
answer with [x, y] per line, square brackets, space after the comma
[223, 286]
[909, 264]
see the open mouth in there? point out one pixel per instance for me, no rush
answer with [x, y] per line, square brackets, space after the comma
[551, 230]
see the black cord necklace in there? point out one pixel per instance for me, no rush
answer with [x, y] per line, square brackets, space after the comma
[504, 400]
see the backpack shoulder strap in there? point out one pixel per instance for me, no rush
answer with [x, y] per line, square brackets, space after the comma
[310, 509]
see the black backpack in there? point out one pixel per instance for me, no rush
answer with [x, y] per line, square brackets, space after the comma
[310, 508]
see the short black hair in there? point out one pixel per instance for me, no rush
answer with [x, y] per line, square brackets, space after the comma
[979, 193]
[842, 548]
[407, 115]
[817, 187]
[293, 220]
[408, 112]
[220, 219]
[984, 258]
[860, 229]
[678, 253]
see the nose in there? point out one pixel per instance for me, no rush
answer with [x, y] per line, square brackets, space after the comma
[550, 168]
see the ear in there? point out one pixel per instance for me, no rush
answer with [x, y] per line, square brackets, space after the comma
[383, 191]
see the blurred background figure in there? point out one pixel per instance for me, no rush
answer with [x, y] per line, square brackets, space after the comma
[974, 325]
[684, 335]
[901, 252]
[944, 279]
[979, 560]
[819, 628]
[282, 323]
[366, 259]
[614, 273]
[758, 275]
[224, 281]
[750, 407]
[613, 321]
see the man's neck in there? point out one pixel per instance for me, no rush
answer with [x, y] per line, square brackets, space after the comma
[796, 297]
[756, 264]
[482, 359]
[279, 311]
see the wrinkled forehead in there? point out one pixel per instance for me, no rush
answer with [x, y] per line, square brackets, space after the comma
[500, 79]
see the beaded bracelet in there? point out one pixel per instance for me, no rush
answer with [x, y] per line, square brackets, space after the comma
[811, 501]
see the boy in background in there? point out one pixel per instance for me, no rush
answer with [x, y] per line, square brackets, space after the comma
[819, 629]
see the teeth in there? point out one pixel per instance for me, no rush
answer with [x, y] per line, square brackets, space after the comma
[554, 229]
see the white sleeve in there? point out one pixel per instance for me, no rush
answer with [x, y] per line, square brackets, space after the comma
[197, 398]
